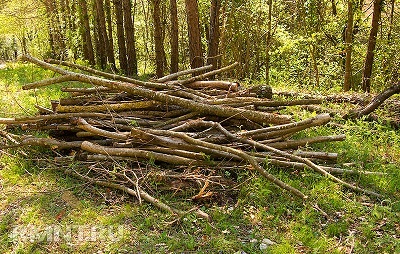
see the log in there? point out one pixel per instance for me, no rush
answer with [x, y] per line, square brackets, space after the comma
[293, 144]
[105, 74]
[82, 124]
[137, 154]
[34, 119]
[374, 104]
[181, 73]
[48, 82]
[317, 155]
[108, 107]
[203, 76]
[282, 130]
[94, 90]
[223, 85]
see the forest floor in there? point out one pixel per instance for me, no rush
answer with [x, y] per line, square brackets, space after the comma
[256, 218]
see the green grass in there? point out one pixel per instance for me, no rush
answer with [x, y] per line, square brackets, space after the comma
[33, 194]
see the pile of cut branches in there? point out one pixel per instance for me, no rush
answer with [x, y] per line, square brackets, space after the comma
[177, 131]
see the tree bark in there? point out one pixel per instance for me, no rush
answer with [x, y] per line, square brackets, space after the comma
[348, 42]
[101, 33]
[392, 7]
[214, 34]
[123, 61]
[130, 38]
[158, 39]
[334, 10]
[57, 40]
[268, 46]
[369, 60]
[195, 48]
[110, 45]
[87, 45]
[174, 37]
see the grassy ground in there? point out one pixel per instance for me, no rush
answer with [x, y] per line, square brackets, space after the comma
[34, 194]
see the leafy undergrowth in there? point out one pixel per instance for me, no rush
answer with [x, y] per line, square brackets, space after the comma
[35, 198]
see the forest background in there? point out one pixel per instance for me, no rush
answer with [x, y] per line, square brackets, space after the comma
[304, 43]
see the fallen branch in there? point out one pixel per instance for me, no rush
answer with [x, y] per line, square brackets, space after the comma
[375, 103]
[181, 73]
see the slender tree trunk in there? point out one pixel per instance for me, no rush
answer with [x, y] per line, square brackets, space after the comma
[63, 15]
[361, 5]
[73, 14]
[334, 10]
[68, 15]
[102, 33]
[55, 30]
[123, 61]
[349, 46]
[97, 37]
[391, 19]
[130, 38]
[163, 31]
[158, 41]
[88, 52]
[269, 34]
[110, 45]
[51, 39]
[224, 14]
[369, 60]
[214, 34]
[313, 52]
[174, 37]
[195, 48]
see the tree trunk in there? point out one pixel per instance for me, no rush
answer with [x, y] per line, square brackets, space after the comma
[101, 33]
[369, 60]
[110, 45]
[69, 15]
[55, 30]
[214, 34]
[375, 103]
[313, 53]
[195, 49]
[158, 40]
[74, 14]
[391, 19]
[268, 46]
[174, 37]
[130, 38]
[334, 10]
[123, 61]
[87, 45]
[348, 42]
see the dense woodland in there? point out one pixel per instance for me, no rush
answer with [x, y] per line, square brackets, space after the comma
[325, 44]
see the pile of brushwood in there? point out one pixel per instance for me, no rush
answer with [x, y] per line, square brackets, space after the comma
[181, 133]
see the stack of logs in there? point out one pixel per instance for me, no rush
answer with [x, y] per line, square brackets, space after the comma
[184, 130]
